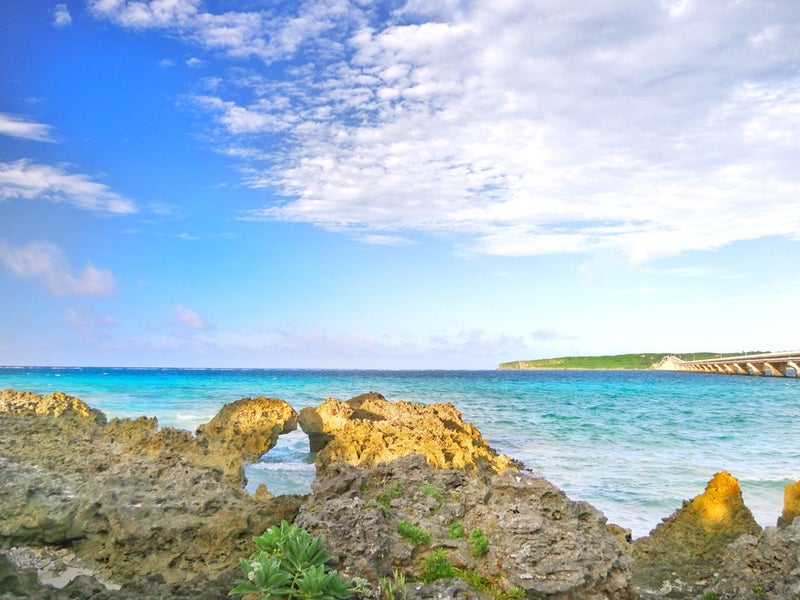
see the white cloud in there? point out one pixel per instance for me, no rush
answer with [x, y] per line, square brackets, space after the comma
[27, 180]
[266, 35]
[517, 128]
[85, 319]
[44, 261]
[15, 126]
[194, 63]
[189, 318]
[61, 16]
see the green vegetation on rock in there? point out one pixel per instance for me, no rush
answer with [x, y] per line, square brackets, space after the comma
[480, 543]
[413, 534]
[290, 563]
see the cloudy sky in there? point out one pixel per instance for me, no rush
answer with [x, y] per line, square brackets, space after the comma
[418, 184]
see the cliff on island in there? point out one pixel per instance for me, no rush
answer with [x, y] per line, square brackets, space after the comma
[411, 500]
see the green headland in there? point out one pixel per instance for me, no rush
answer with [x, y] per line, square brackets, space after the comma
[616, 361]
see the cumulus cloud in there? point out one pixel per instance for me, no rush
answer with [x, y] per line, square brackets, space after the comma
[45, 261]
[27, 180]
[18, 127]
[519, 128]
[189, 318]
[61, 16]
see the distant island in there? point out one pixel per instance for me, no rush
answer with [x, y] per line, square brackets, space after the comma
[617, 361]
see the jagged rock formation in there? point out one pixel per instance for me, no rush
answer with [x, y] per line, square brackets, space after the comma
[57, 404]
[368, 430]
[791, 504]
[248, 427]
[164, 513]
[536, 538]
[130, 500]
[765, 566]
[681, 555]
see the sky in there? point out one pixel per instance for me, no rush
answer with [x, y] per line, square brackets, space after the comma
[402, 185]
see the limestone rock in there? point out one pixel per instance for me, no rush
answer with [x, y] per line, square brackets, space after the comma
[537, 538]
[250, 426]
[58, 404]
[686, 549]
[791, 504]
[368, 430]
[765, 566]
[21, 581]
[129, 499]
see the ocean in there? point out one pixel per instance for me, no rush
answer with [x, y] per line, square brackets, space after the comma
[634, 444]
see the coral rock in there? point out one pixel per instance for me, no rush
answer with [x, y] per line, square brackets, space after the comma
[537, 538]
[368, 430]
[791, 504]
[57, 404]
[764, 566]
[131, 500]
[250, 426]
[689, 545]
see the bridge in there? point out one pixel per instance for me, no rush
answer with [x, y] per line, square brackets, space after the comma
[775, 364]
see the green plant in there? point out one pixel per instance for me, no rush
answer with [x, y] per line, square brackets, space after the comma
[758, 590]
[437, 567]
[475, 579]
[384, 499]
[391, 587]
[457, 531]
[709, 596]
[480, 543]
[512, 593]
[415, 535]
[290, 563]
[433, 491]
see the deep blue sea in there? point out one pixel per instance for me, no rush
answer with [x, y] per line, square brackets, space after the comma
[635, 444]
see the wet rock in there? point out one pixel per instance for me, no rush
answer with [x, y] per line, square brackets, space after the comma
[791, 504]
[682, 554]
[762, 566]
[368, 430]
[513, 529]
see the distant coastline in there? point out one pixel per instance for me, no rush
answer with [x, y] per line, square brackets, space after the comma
[620, 362]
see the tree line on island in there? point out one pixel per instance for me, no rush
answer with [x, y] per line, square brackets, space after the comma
[616, 361]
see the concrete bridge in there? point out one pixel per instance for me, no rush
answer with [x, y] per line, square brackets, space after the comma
[775, 364]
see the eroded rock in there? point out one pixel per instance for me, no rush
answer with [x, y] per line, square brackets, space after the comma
[535, 537]
[131, 500]
[58, 404]
[368, 430]
[791, 504]
[762, 566]
[249, 427]
[682, 554]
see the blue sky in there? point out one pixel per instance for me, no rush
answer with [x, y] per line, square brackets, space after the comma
[396, 185]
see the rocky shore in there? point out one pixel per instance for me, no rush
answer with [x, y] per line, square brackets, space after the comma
[92, 508]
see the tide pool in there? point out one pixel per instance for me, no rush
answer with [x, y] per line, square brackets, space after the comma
[635, 444]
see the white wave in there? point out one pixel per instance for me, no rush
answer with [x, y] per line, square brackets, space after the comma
[191, 417]
[282, 466]
[786, 479]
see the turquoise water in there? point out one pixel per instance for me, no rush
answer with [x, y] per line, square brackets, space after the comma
[633, 443]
